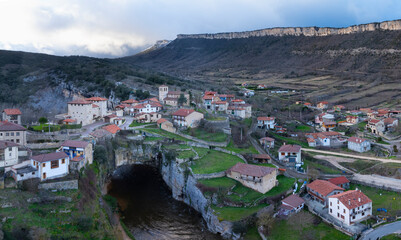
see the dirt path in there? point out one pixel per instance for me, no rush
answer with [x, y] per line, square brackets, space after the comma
[336, 160]
[352, 156]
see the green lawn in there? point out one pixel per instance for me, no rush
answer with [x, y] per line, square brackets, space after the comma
[201, 151]
[213, 118]
[137, 124]
[224, 182]
[186, 154]
[163, 133]
[393, 236]
[289, 140]
[213, 162]
[248, 195]
[153, 138]
[389, 200]
[249, 149]
[304, 128]
[300, 226]
[361, 126]
[322, 168]
[235, 213]
[207, 136]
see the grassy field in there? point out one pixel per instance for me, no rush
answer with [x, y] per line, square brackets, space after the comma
[234, 213]
[214, 161]
[186, 154]
[252, 234]
[382, 199]
[250, 149]
[321, 165]
[137, 124]
[163, 133]
[359, 165]
[153, 138]
[301, 226]
[207, 136]
[201, 151]
[303, 128]
[361, 126]
[393, 236]
[59, 219]
[53, 128]
[223, 182]
[288, 140]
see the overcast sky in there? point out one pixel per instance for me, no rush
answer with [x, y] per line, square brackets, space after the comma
[113, 28]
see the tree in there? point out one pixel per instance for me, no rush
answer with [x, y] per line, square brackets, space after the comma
[266, 220]
[181, 100]
[42, 120]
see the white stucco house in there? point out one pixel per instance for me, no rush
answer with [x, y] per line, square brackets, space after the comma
[8, 153]
[266, 122]
[290, 154]
[51, 165]
[350, 207]
[358, 144]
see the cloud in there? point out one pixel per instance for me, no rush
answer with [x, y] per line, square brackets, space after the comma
[112, 28]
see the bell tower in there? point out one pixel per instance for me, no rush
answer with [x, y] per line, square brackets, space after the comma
[163, 90]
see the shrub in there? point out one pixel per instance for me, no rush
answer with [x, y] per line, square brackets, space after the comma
[84, 223]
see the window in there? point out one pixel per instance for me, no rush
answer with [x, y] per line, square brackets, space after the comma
[17, 134]
[10, 149]
[44, 165]
[7, 134]
[17, 140]
[54, 164]
[331, 210]
[344, 211]
[63, 161]
[353, 217]
[331, 204]
[12, 134]
[22, 175]
[363, 214]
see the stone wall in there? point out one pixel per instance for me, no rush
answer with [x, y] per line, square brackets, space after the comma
[63, 185]
[299, 31]
[218, 125]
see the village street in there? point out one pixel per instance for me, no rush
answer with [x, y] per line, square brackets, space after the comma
[382, 231]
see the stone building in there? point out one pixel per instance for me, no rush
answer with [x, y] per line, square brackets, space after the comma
[79, 152]
[12, 115]
[171, 97]
[82, 111]
[8, 153]
[12, 132]
[187, 118]
[259, 178]
[101, 103]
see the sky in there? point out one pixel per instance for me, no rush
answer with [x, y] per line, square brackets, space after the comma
[115, 28]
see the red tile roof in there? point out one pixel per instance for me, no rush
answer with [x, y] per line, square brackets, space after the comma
[80, 101]
[310, 140]
[389, 120]
[112, 128]
[210, 93]
[290, 148]
[130, 101]
[110, 116]
[9, 126]
[69, 120]
[6, 144]
[96, 99]
[293, 200]
[339, 180]
[76, 144]
[266, 118]
[267, 139]
[261, 156]
[324, 102]
[323, 187]
[374, 121]
[183, 112]
[356, 140]
[352, 199]
[50, 156]
[12, 111]
[161, 120]
[251, 170]
[208, 97]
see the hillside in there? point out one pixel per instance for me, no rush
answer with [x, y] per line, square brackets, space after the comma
[42, 84]
[358, 68]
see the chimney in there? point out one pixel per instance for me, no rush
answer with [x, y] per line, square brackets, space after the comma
[349, 202]
[359, 199]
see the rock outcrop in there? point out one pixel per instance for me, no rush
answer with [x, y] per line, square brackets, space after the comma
[299, 31]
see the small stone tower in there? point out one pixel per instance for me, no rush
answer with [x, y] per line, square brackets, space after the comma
[163, 90]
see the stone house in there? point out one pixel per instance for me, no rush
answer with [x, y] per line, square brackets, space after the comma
[79, 152]
[100, 103]
[325, 139]
[323, 105]
[166, 125]
[291, 204]
[338, 108]
[290, 154]
[320, 190]
[261, 158]
[148, 117]
[267, 142]
[341, 181]
[187, 118]
[376, 126]
[171, 97]
[8, 153]
[51, 165]
[241, 110]
[390, 124]
[12, 115]
[259, 178]
[358, 144]
[266, 122]
[353, 119]
[12, 132]
[84, 112]
[329, 125]
[350, 207]
[220, 106]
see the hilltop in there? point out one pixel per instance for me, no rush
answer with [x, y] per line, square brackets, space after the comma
[357, 66]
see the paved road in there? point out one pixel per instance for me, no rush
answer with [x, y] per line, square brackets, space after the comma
[382, 231]
[352, 155]
[91, 127]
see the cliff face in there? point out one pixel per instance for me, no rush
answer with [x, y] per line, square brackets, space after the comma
[299, 31]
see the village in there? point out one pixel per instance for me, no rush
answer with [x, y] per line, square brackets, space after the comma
[244, 162]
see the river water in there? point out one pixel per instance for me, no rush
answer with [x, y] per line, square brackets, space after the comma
[150, 212]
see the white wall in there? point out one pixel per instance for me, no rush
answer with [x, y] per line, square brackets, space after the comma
[62, 169]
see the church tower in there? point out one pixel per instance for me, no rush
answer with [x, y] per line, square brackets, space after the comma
[163, 90]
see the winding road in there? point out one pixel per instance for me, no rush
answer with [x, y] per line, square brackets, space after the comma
[382, 231]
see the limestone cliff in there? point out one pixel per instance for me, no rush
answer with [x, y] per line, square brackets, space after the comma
[299, 31]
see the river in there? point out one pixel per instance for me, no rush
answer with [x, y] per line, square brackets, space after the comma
[150, 212]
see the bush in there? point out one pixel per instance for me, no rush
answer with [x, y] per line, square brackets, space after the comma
[84, 223]
[42, 120]
[240, 227]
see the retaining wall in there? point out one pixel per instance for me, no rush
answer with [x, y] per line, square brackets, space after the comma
[63, 185]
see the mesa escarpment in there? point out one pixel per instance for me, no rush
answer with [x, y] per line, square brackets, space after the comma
[300, 31]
